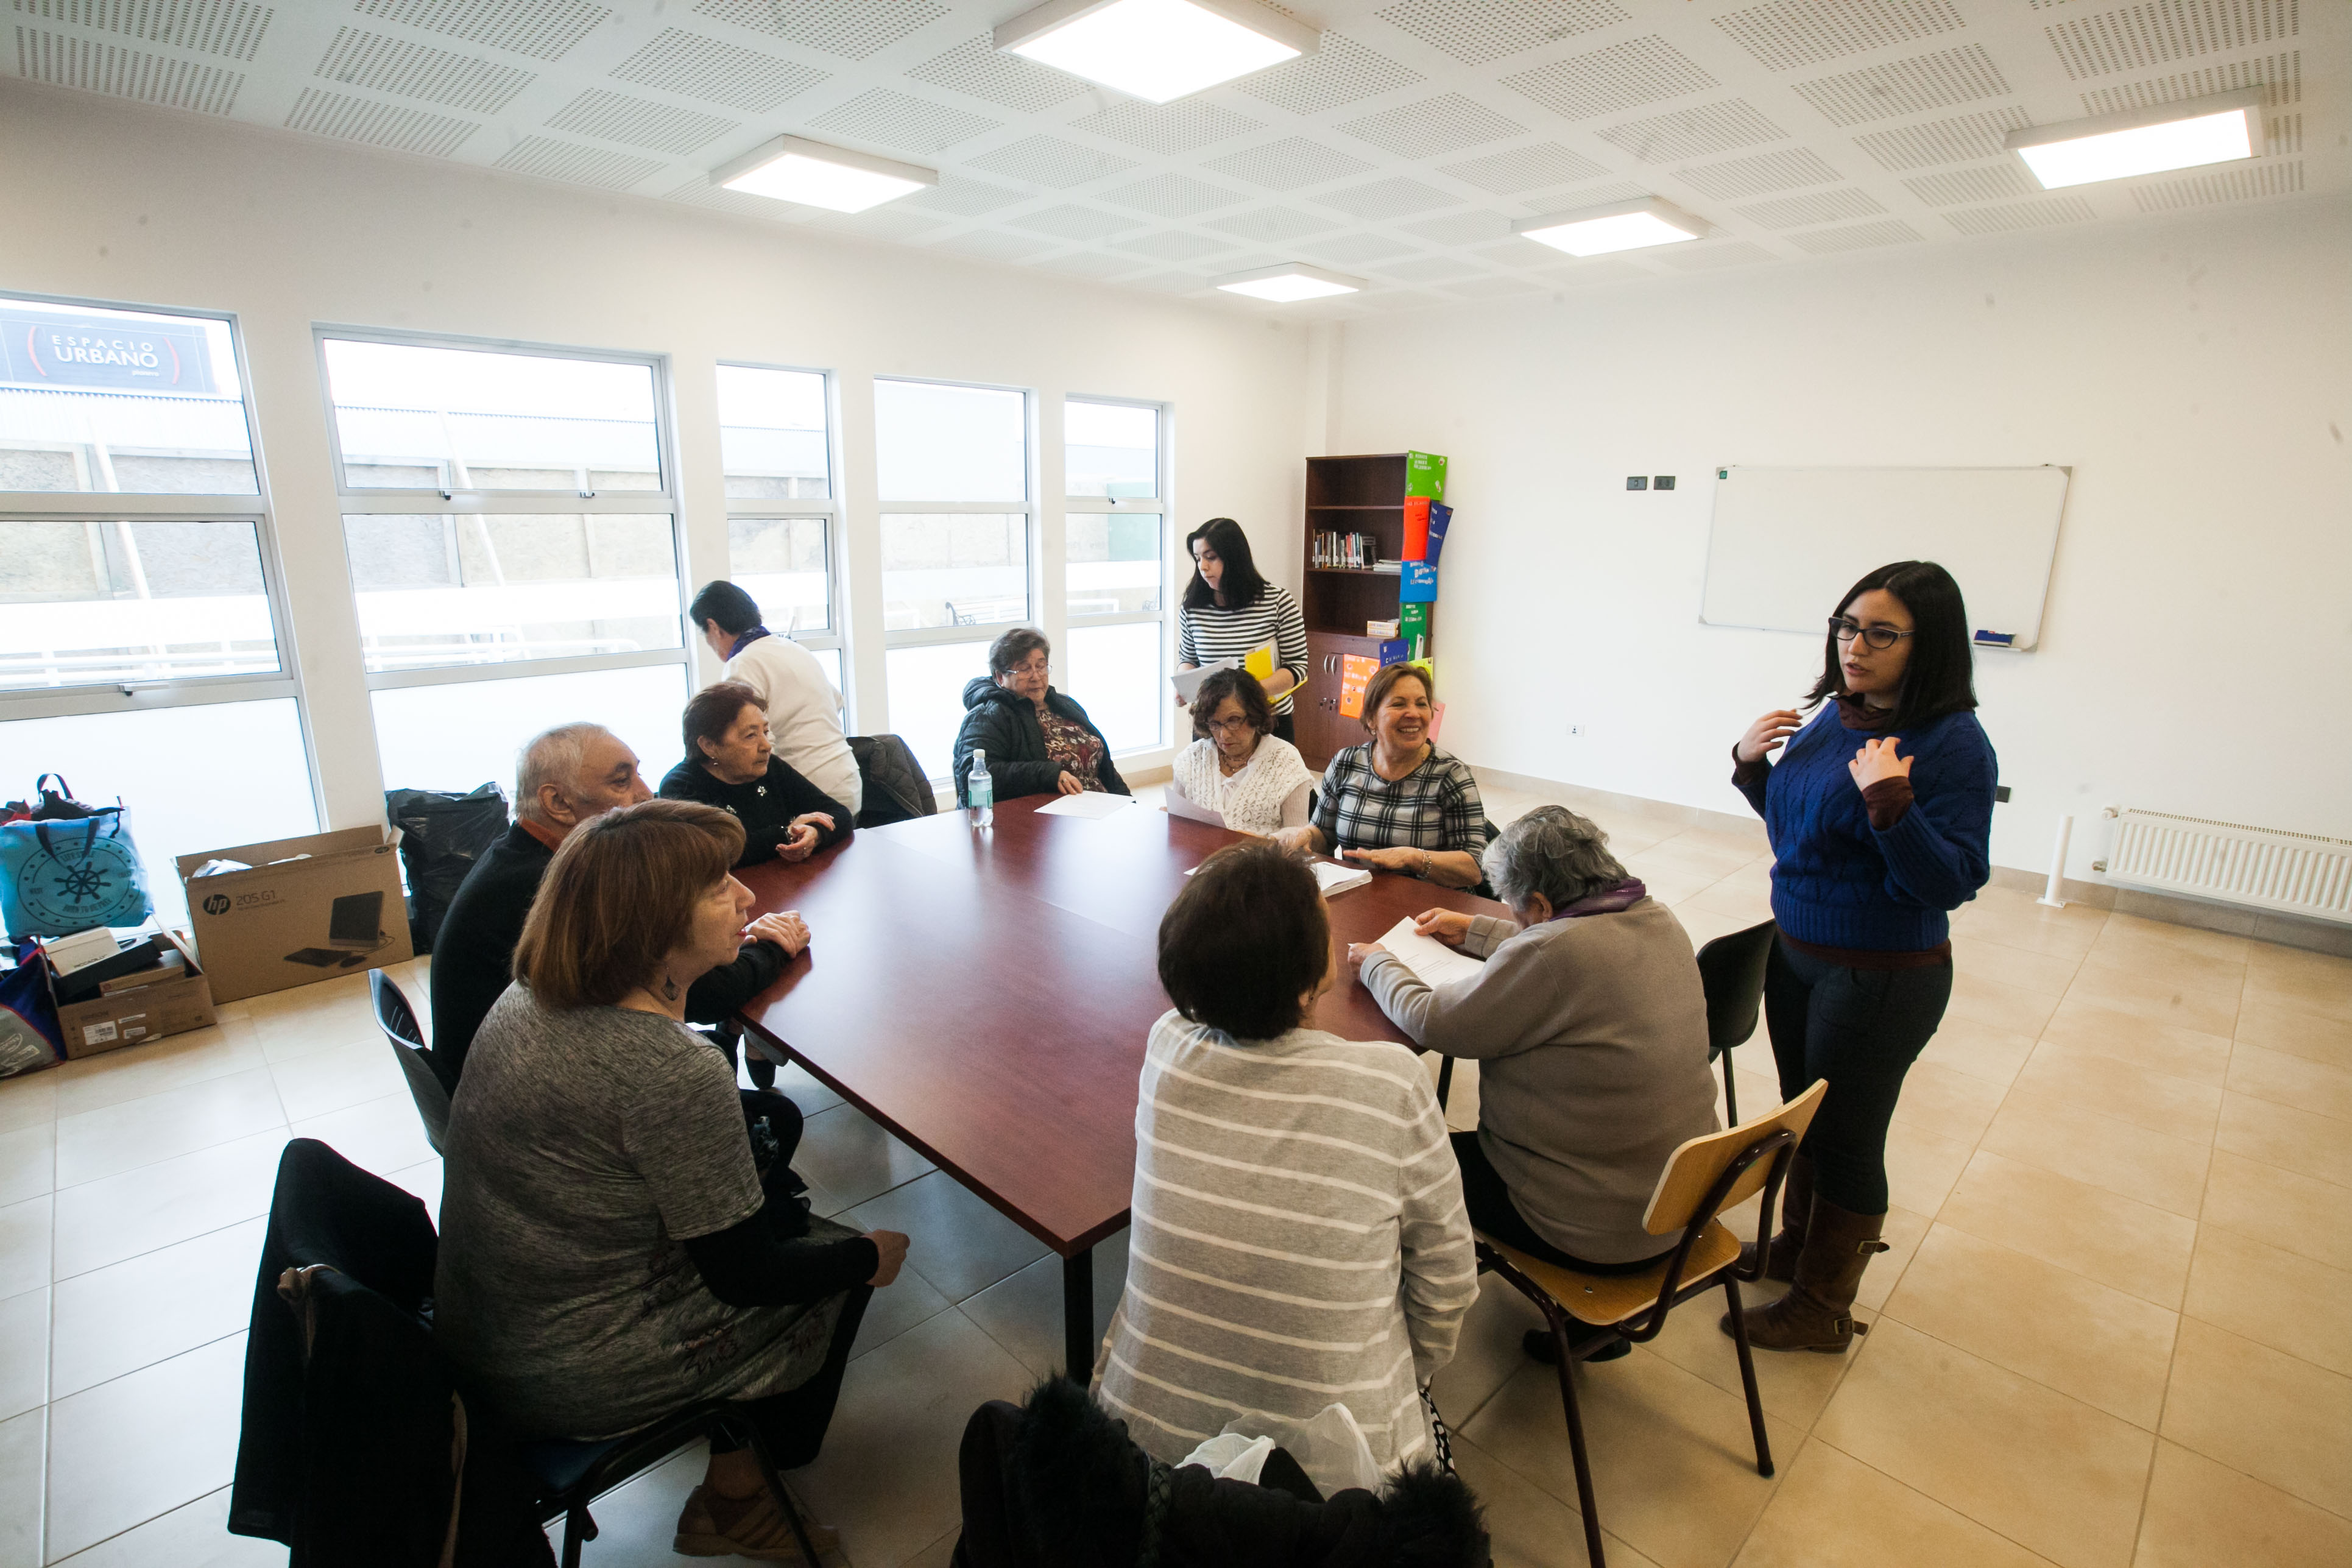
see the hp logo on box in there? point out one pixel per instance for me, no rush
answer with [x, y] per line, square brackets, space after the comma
[217, 904]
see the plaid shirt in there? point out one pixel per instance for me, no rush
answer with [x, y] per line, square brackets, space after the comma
[1434, 807]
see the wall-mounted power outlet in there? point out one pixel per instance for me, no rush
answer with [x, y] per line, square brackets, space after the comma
[1637, 481]
[1662, 482]
[1576, 730]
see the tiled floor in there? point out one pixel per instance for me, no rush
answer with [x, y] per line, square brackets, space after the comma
[2112, 1333]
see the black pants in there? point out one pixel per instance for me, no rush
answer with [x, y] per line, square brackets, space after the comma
[1494, 1214]
[792, 1424]
[1286, 727]
[1860, 1029]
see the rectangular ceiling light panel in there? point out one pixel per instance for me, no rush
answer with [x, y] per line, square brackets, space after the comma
[794, 169]
[1619, 226]
[1287, 283]
[1156, 49]
[2188, 135]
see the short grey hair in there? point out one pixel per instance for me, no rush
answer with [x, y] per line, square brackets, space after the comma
[550, 757]
[1552, 851]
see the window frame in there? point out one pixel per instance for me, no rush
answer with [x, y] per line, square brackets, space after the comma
[800, 509]
[1156, 504]
[1028, 509]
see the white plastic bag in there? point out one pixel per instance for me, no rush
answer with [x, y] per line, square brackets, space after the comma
[1330, 1447]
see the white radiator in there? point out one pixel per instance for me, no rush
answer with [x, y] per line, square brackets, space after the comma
[2262, 868]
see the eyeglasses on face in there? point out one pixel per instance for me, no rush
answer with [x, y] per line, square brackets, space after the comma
[1879, 638]
[1233, 726]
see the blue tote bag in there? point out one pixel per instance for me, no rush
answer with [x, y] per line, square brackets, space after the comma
[68, 867]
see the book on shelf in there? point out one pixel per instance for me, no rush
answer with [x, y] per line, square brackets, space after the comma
[1380, 628]
[1393, 568]
[1440, 517]
[1425, 522]
[1346, 552]
[1424, 475]
[1419, 585]
[1412, 625]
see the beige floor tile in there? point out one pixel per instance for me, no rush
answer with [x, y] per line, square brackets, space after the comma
[382, 1136]
[2176, 1107]
[2210, 1011]
[130, 1451]
[910, 1299]
[1947, 1101]
[1697, 855]
[1996, 1055]
[24, 1353]
[2061, 933]
[2274, 963]
[796, 1084]
[23, 1443]
[2297, 1213]
[1922, 1167]
[25, 1244]
[156, 1305]
[1905, 1230]
[129, 1133]
[2132, 1247]
[2091, 1030]
[105, 1222]
[2155, 966]
[1794, 1388]
[29, 1161]
[2049, 974]
[2264, 1022]
[852, 1159]
[2263, 1413]
[194, 1535]
[2290, 1080]
[2137, 934]
[1981, 999]
[169, 1064]
[2281, 1135]
[2048, 1472]
[1742, 901]
[2059, 1135]
[1668, 881]
[334, 1077]
[1834, 1512]
[1703, 924]
[2271, 1297]
[1486, 1355]
[28, 1099]
[1527, 1526]
[1023, 1311]
[305, 1022]
[954, 1239]
[1673, 1464]
[634, 1523]
[2113, 1350]
[2309, 983]
[887, 1478]
[2201, 1514]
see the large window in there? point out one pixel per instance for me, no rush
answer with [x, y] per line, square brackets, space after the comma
[952, 470]
[508, 516]
[773, 438]
[1116, 570]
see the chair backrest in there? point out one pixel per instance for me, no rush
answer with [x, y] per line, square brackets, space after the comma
[888, 765]
[1692, 1170]
[1731, 969]
[398, 1021]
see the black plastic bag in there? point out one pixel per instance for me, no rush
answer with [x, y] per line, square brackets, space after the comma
[441, 835]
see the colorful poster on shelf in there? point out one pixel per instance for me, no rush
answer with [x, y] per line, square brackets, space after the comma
[1417, 585]
[1413, 626]
[1416, 529]
[1392, 651]
[1424, 475]
[1355, 674]
[1440, 517]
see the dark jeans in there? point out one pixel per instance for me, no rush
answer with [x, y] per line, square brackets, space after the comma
[1492, 1213]
[1860, 1029]
[792, 1424]
[1286, 726]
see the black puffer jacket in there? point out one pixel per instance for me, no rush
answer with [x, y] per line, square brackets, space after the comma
[1003, 723]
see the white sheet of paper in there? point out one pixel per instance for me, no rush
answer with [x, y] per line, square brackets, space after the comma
[1335, 877]
[1435, 963]
[1187, 682]
[1095, 803]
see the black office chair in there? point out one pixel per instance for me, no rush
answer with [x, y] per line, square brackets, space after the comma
[896, 788]
[398, 1021]
[573, 1474]
[1731, 969]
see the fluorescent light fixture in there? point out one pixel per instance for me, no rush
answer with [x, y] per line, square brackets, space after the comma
[1619, 226]
[794, 169]
[1156, 49]
[2223, 129]
[1290, 281]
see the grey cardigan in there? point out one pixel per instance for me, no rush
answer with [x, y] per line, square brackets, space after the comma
[1590, 1036]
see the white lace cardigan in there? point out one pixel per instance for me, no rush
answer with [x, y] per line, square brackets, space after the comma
[1252, 801]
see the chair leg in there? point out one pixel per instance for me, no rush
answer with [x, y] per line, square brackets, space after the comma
[1576, 1444]
[1730, 1094]
[775, 1484]
[579, 1529]
[1747, 1377]
[1444, 1081]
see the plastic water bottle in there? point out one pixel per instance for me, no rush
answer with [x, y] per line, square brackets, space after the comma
[981, 790]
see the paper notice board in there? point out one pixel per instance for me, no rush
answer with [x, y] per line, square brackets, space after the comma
[1356, 672]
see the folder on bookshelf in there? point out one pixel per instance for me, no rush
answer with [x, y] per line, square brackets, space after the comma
[1419, 584]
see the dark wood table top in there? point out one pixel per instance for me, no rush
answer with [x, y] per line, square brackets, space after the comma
[985, 997]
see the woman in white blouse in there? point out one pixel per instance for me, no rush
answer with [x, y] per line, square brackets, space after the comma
[1237, 766]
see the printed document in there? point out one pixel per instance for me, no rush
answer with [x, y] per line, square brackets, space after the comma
[1093, 804]
[1432, 960]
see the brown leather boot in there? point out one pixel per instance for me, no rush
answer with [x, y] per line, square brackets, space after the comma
[1796, 1205]
[1817, 1314]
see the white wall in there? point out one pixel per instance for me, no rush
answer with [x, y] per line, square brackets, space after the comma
[2195, 372]
[113, 201]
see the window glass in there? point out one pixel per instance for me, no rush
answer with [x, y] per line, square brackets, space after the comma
[780, 561]
[926, 686]
[1113, 567]
[484, 588]
[939, 443]
[453, 736]
[91, 601]
[830, 659]
[1114, 673]
[132, 401]
[206, 776]
[411, 416]
[771, 433]
[954, 569]
[1110, 449]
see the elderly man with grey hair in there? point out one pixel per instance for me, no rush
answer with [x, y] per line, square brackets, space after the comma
[1589, 1025]
[563, 777]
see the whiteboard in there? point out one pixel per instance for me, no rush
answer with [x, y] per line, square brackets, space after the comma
[1786, 542]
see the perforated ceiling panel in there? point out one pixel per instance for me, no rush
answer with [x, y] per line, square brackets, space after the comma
[357, 58]
[373, 124]
[1286, 164]
[1435, 270]
[901, 123]
[1906, 87]
[977, 68]
[1093, 264]
[1985, 183]
[1268, 225]
[1432, 126]
[1760, 176]
[1859, 237]
[2132, 37]
[995, 245]
[1707, 257]
[1075, 222]
[1350, 249]
[1788, 33]
[2040, 213]
[963, 199]
[1960, 140]
[540, 29]
[581, 165]
[2279, 76]
[850, 29]
[1175, 245]
[1172, 195]
[1476, 31]
[1050, 161]
[230, 28]
[1385, 198]
[1623, 76]
[1342, 72]
[1462, 228]
[638, 123]
[692, 66]
[1176, 127]
[2238, 185]
[1693, 132]
[1492, 288]
[96, 66]
[1523, 169]
[1822, 206]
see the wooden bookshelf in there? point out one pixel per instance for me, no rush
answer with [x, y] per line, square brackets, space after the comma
[1345, 495]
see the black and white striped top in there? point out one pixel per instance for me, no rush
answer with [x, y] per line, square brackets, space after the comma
[1206, 635]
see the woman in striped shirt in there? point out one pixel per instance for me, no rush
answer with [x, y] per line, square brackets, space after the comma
[1300, 1239]
[1229, 610]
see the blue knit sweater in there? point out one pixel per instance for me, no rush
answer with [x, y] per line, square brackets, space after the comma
[1837, 881]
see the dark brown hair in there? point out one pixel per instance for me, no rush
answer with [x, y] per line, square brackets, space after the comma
[712, 711]
[621, 894]
[1938, 678]
[1011, 651]
[1240, 583]
[1245, 940]
[1384, 679]
[1240, 685]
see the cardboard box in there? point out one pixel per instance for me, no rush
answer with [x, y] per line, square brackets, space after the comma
[179, 999]
[309, 908]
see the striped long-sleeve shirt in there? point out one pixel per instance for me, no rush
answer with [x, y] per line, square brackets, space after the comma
[1298, 1240]
[1207, 635]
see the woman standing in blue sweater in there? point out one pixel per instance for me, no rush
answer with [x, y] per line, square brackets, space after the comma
[1879, 812]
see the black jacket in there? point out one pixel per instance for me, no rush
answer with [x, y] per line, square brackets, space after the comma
[473, 956]
[1003, 723]
[765, 807]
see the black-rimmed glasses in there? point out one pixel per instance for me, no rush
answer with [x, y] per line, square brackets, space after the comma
[1879, 638]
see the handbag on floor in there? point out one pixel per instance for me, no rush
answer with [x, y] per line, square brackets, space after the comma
[66, 867]
[29, 1035]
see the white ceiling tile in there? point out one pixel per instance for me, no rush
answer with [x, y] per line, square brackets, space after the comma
[1984, 183]
[232, 29]
[1050, 161]
[693, 66]
[1629, 75]
[1914, 86]
[1430, 270]
[1348, 248]
[996, 245]
[2241, 184]
[1268, 225]
[1518, 252]
[1858, 237]
[638, 123]
[2157, 32]
[1385, 198]
[1174, 245]
[1462, 228]
[1094, 264]
[372, 123]
[1716, 127]
[95, 65]
[1476, 31]
[1286, 164]
[850, 28]
[1342, 72]
[1075, 222]
[2280, 76]
[1178, 127]
[1432, 126]
[1707, 257]
[1172, 195]
[1786, 35]
[902, 123]
[1788, 170]
[551, 159]
[2040, 213]
[963, 199]
[540, 29]
[883, 223]
[1493, 288]
[1820, 207]
[1523, 169]
[1961, 139]
[978, 68]
[357, 58]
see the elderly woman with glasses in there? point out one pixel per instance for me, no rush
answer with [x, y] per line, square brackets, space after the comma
[1037, 740]
[1237, 766]
[1589, 1028]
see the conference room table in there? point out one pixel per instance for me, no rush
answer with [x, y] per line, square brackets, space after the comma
[985, 996]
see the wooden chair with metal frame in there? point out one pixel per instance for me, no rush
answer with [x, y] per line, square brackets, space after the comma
[1702, 1178]
[1731, 971]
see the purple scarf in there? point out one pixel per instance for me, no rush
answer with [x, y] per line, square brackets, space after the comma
[747, 639]
[1624, 896]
